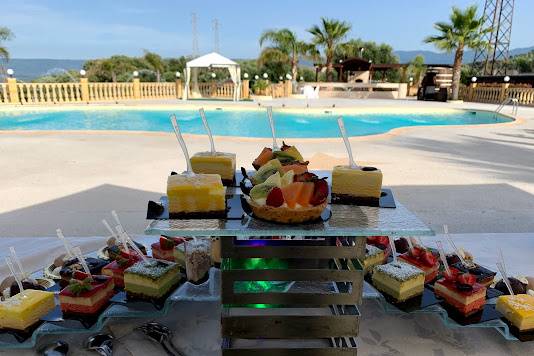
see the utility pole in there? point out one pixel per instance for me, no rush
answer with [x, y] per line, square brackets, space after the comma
[216, 43]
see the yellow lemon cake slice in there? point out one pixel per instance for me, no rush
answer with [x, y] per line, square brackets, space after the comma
[399, 280]
[518, 309]
[25, 309]
[221, 163]
[356, 185]
[199, 195]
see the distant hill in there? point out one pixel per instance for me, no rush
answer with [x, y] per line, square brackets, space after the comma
[444, 58]
[29, 69]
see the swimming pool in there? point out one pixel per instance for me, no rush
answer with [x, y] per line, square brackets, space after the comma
[244, 123]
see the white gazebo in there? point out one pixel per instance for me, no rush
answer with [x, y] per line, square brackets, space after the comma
[210, 60]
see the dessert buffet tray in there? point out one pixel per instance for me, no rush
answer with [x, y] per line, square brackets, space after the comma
[119, 307]
[490, 319]
[343, 220]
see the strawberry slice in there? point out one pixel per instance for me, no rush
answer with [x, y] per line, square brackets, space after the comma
[451, 276]
[378, 241]
[467, 279]
[275, 197]
[305, 177]
[320, 193]
[291, 193]
[165, 243]
[428, 258]
[306, 193]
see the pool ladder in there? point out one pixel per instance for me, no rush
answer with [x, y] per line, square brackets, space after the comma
[513, 101]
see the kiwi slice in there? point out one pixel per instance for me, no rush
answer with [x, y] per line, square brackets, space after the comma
[288, 155]
[261, 191]
[265, 171]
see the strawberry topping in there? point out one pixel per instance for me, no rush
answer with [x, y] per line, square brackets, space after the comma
[165, 243]
[320, 193]
[275, 197]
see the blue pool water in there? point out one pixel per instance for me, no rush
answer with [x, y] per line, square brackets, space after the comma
[237, 123]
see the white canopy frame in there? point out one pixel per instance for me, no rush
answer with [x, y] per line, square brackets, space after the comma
[211, 60]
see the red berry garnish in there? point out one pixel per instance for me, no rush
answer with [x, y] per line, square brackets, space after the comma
[320, 192]
[275, 197]
[467, 279]
[165, 243]
[428, 259]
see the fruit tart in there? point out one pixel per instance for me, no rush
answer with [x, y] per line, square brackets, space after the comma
[289, 199]
[288, 158]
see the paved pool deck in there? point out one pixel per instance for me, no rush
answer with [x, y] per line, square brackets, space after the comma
[476, 179]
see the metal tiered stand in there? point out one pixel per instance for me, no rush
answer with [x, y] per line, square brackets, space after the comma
[294, 289]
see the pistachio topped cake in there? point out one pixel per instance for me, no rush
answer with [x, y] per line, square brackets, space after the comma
[399, 280]
[354, 185]
[518, 309]
[199, 195]
[25, 309]
[373, 256]
[151, 279]
[220, 163]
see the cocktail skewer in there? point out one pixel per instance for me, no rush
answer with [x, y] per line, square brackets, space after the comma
[208, 130]
[12, 270]
[117, 220]
[443, 258]
[505, 277]
[15, 258]
[393, 248]
[78, 253]
[181, 141]
[271, 122]
[135, 248]
[410, 245]
[123, 238]
[341, 125]
[66, 244]
[113, 234]
[453, 245]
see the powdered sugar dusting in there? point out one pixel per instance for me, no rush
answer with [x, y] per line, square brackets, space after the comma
[521, 302]
[372, 250]
[152, 269]
[399, 270]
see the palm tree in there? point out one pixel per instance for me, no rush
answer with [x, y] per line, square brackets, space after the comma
[285, 47]
[464, 30]
[5, 35]
[155, 62]
[417, 68]
[329, 35]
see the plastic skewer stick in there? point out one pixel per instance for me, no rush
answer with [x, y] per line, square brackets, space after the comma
[341, 125]
[453, 245]
[271, 122]
[135, 248]
[117, 220]
[443, 257]
[208, 130]
[78, 252]
[113, 234]
[393, 249]
[181, 141]
[505, 277]
[123, 238]
[16, 258]
[12, 269]
[66, 244]
[410, 245]
[501, 256]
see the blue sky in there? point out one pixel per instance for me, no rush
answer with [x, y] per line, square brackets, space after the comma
[81, 29]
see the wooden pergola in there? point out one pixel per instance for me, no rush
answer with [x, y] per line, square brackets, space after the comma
[357, 64]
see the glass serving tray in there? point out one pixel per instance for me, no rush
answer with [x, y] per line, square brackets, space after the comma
[208, 291]
[369, 292]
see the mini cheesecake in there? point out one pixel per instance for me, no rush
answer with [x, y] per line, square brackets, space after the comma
[23, 310]
[116, 268]
[518, 309]
[373, 257]
[201, 195]
[361, 185]
[85, 294]
[399, 280]
[220, 163]
[151, 279]
[461, 292]
[424, 260]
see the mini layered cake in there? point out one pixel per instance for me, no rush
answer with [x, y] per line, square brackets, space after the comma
[23, 310]
[167, 248]
[72, 266]
[361, 185]
[220, 163]
[424, 260]
[199, 195]
[117, 267]
[373, 256]
[382, 242]
[461, 292]
[518, 309]
[289, 199]
[151, 279]
[113, 249]
[483, 275]
[399, 280]
[85, 294]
